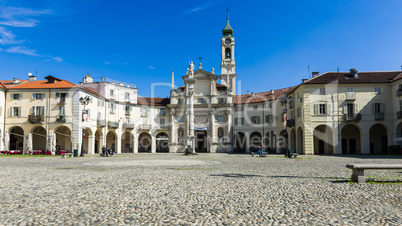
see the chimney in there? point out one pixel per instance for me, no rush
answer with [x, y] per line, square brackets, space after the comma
[103, 79]
[16, 81]
[252, 94]
[304, 80]
[272, 91]
[31, 77]
[248, 92]
[353, 72]
[315, 73]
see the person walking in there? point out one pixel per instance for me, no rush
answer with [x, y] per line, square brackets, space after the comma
[103, 151]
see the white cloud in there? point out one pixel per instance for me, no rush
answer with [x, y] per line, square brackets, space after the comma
[150, 67]
[58, 59]
[7, 37]
[19, 17]
[107, 62]
[23, 50]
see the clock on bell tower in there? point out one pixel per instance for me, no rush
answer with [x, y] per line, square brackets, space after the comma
[228, 74]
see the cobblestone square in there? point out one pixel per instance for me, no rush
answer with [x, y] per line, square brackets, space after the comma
[173, 189]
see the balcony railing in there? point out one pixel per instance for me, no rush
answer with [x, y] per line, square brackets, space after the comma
[128, 125]
[62, 102]
[379, 116]
[128, 112]
[399, 114]
[61, 119]
[36, 118]
[350, 96]
[291, 123]
[145, 127]
[352, 117]
[399, 92]
[113, 125]
[163, 127]
[101, 123]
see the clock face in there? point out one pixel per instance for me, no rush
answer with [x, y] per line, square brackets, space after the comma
[228, 41]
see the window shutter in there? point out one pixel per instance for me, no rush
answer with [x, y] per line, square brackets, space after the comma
[383, 108]
[19, 111]
[11, 97]
[115, 106]
[33, 96]
[33, 111]
[20, 96]
[345, 108]
[328, 109]
[57, 95]
[66, 95]
[131, 108]
[316, 109]
[110, 104]
[356, 109]
[43, 111]
[11, 112]
[43, 96]
[90, 100]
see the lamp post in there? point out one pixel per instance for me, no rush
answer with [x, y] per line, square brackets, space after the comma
[285, 99]
[84, 101]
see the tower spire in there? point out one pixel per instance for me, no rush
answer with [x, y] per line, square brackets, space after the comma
[227, 31]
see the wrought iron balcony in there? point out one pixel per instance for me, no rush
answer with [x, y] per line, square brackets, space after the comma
[352, 117]
[399, 92]
[399, 114]
[128, 112]
[128, 125]
[350, 96]
[163, 127]
[36, 118]
[113, 125]
[61, 119]
[145, 127]
[379, 116]
[291, 123]
[101, 123]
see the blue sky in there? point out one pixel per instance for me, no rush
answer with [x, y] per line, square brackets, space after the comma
[141, 42]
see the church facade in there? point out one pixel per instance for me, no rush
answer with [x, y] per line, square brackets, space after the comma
[331, 113]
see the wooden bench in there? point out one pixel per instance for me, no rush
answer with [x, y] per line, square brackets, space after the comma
[358, 170]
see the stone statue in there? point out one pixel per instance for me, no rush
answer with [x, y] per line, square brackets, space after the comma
[191, 64]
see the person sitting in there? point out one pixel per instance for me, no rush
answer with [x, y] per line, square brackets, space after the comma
[103, 151]
[260, 151]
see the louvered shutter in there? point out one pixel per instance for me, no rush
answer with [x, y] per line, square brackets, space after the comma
[33, 96]
[43, 96]
[42, 110]
[345, 108]
[20, 96]
[11, 112]
[66, 95]
[19, 111]
[356, 108]
[383, 108]
[11, 97]
[316, 109]
[328, 110]
[33, 111]
[57, 95]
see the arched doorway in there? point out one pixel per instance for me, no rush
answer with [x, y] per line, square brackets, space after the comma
[144, 142]
[16, 139]
[292, 140]
[351, 139]
[98, 141]
[255, 140]
[127, 142]
[299, 141]
[269, 142]
[162, 143]
[378, 139]
[63, 139]
[240, 142]
[111, 140]
[39, 138]
[283, 141]
[323, 140]
[87, 140]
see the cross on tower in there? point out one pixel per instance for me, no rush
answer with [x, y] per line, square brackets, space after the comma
[227, 11]
[200, 58]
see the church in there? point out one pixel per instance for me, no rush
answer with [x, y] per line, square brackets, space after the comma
[337, 113]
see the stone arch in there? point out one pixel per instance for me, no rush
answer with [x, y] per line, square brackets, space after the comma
[127, 142]
[240, 142]
[144, 142]
[292, 140]
[282, 142]
[162, 143]
[87, 140]
[255, 139]
[351, 139]
[323, 140]
[39, 138]
[111, 139]
[299, 141]
[16, 138]
[378, 139]
[98, 141]
[63, 138]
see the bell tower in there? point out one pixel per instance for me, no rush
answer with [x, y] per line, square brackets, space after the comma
[228, 74]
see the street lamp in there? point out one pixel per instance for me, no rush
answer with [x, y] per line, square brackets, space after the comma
[284, 100]
[84, 101]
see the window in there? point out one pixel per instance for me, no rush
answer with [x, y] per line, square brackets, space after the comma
[220, 118]
[38, 96]
[255, 120]
[377, 90]
[162, 111]
[144, 111]
[270, 105]
[127, 97]
[349, 89]
[255, 107]
[227, 53]
[63, 96]
[377, 108]
[221, 100]
[127, 109]
[239, 121]
[112, 107]
[180, 119]
[127, 120]
[111, 94]
[62, 110]
[180, 101]
[298, 112]
[323, 109]
[268, 119]
[38, 110]
[15, 111]
[162, 121]
[201, 100]
[322, 91]
[16, 96]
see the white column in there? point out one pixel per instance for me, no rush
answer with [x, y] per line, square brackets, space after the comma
[118, 142]
[153, 144]
[135, 147]
[91, 144]
[365, 143]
